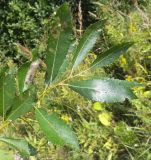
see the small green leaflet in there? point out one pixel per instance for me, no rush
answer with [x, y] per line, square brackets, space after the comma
[106, 90]
[58, 43]
[112, 54]
[7, 93]
[56, 130]
[87, 42]
[21, 105]
[21, 145]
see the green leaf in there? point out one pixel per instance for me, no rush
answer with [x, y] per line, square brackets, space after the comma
[58, 42]
[112, 54]
[87, 42]
[21, 105]
[67, 62]
[107, 90]
[21, 145]
[7, 93]
[56, 129]
[21, 76]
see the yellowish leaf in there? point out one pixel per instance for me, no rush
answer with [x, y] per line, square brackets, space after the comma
[98, 106]
[105, 118]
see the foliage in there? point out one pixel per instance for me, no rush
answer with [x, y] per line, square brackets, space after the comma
[22, 22]
[104, 130]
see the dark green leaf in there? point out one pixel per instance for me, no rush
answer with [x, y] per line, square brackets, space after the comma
[67, 62]
[21, 145]
[21, 105]
[56, 129]
[107, 90]
[21, 75]
[7, 93]
[58, 43]
[112, 54]
[86, 43]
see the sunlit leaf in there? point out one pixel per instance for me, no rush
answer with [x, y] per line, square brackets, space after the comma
[105, 118]
[106, 90]
[98, 106]
[56, 129]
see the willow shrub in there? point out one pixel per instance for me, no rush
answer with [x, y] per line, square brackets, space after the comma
[62, 60]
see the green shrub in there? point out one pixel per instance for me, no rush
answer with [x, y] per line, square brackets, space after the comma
[22, 22]
[62, 56]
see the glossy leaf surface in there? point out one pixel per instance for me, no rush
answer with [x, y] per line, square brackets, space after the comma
[7, 93]
[58, 42]
[21, 105]
[21, 75]
[21, 145]
[112, 54]
[87, 42]
[107, 90]
[56, 129]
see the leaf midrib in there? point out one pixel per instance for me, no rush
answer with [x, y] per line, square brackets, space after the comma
[83, 46]
[84, 87]
[49, 124]
[103, 59]
[18, 107]
[56, 49]
[94, 89]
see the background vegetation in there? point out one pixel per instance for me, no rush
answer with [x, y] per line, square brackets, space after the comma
[119, 131]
